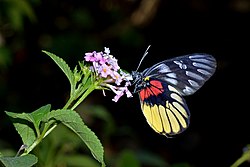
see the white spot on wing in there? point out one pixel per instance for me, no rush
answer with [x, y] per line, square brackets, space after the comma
[172, 75]
[204, 72]
[193, 75]
[193, 83]
[196, 56]
[163, 68]
[181, 65]
[172, 81]
[188, 90]
[206, 61]
[200, 65]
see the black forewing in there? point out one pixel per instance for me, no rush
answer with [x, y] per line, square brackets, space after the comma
[186, 73]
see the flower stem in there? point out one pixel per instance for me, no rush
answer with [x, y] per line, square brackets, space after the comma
[45, 132]
[85, 94]
[71, 99]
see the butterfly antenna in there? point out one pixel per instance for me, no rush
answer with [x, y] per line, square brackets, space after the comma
[144, 55]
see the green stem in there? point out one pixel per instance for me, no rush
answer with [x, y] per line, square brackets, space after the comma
[29, 149]
[79, 91]
[245, 157]
[71, 99]
[39, 138]
[86, 93]
[50, 130]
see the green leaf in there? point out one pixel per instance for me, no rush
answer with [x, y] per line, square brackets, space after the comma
[64, 67]
[27, 123]
[24, 127]
[23, 161]
[38, 114]
[72, 120]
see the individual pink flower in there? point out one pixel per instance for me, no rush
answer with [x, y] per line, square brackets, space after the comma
[120, 92]
[99, 58]
[113, 62]
[104, 70]
[117, 77]
[90, 56]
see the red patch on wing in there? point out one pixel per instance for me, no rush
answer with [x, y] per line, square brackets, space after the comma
[157, 84]
[154, 89]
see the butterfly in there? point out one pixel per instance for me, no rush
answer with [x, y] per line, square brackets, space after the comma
[161, 89]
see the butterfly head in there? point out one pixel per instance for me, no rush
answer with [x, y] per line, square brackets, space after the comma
[137, 76]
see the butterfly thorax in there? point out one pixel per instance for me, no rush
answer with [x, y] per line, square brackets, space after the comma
[140, 81]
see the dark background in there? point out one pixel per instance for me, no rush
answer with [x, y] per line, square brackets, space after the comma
[219, 127]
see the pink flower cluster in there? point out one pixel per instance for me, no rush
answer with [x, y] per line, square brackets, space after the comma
[106, 67]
